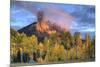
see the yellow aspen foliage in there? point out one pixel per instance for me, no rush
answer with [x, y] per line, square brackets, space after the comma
[40, 47]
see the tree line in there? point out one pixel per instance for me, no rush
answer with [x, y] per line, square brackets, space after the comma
[55, 48]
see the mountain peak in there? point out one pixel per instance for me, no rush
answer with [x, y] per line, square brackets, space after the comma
[41, 28]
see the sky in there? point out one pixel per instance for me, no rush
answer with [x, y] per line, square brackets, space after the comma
[79, 18]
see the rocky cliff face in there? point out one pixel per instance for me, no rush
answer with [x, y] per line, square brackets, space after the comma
[41, 28]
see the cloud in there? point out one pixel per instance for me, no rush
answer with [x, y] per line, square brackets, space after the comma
[57, 16]
[51, 12]
[85, 14]
[77, 17]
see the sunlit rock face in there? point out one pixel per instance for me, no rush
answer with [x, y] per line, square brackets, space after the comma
[48, 28]
[42, 28]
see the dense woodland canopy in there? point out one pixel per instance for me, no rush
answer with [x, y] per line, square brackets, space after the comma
[55, 48]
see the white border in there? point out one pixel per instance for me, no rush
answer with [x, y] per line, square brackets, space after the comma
[4, 33]
[84, 2]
